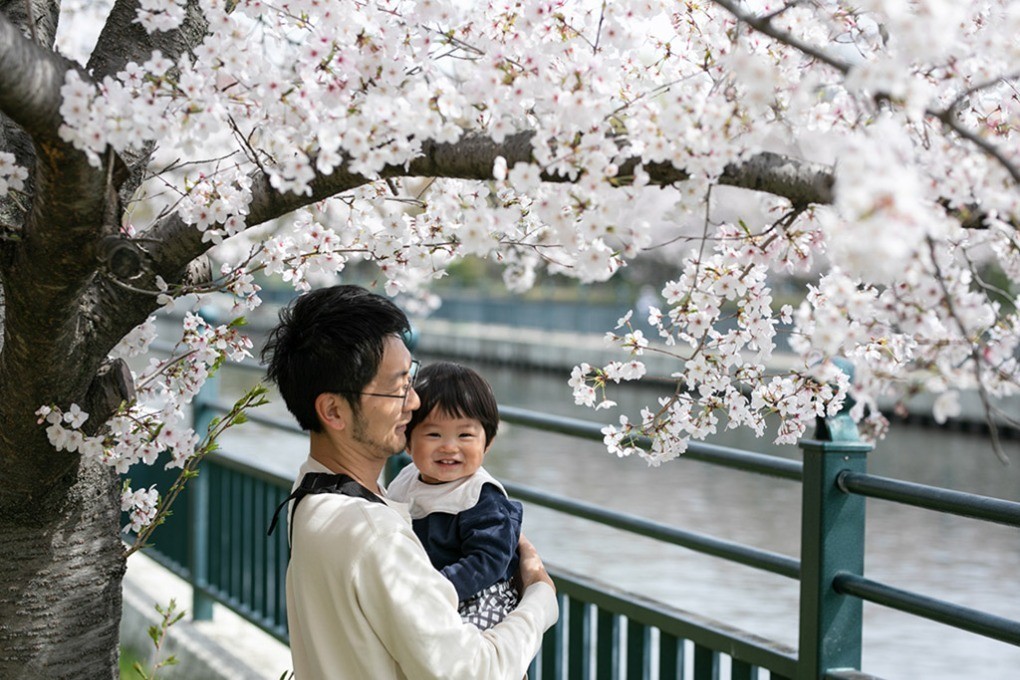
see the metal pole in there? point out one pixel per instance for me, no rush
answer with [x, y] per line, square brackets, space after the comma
[197, 493]
[832, 540]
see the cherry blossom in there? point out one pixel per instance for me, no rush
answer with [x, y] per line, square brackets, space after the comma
[919, 136]
[12, 176]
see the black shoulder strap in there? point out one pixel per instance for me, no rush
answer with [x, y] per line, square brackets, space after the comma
[322, 482]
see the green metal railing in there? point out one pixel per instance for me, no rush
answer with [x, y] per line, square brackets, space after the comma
[217, 542]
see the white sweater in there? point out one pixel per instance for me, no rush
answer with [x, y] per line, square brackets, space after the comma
[363, 602]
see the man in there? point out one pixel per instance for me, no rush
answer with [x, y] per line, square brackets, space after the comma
[363, 600]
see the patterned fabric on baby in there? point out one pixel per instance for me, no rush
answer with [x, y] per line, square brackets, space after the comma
[490, 606]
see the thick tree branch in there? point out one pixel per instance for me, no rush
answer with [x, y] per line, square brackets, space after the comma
[72, 198]
[472, 157]
[112, 386]
[124, 40]
[30, 80]
[36, 18]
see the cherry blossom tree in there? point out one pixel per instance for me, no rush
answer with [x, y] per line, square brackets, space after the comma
[157, 149]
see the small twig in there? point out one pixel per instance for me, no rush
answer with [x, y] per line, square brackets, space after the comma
[782, 10]
[253, 398]
[948, 118]
[598, 31]
[428, 185]
[763, 25]
[993, 428]
[953, 105]
[247, 144]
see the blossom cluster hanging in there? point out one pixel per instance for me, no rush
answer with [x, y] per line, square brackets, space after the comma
[156, 423]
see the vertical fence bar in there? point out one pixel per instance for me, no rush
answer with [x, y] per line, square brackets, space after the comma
[212, 474]
[577, 640]
[270, 557]
[259, 543]
[832, 539]
[233, 538]
[741, 670]
[607, 641]
[671, 665]
[552, 648]
[637, 651]
[197, 494]
[706, 663]
[246, 541]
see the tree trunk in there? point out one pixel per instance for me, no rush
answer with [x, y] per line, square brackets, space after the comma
[60, 598]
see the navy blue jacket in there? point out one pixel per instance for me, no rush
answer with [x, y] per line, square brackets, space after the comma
[476, 547]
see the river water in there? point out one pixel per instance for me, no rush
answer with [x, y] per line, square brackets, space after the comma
[971, 563]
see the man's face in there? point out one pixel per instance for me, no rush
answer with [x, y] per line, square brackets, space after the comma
[381, 422]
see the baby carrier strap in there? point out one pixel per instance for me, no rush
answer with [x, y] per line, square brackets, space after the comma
[322, 482]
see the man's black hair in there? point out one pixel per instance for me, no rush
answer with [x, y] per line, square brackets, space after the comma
[457, 391]
[329, 340]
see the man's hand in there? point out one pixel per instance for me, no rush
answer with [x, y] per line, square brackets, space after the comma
[531, 568]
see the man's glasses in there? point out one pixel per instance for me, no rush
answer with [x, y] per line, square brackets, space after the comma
[412, 373]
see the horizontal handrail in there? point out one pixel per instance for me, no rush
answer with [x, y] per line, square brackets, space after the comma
[931, 497]
[735, 552]
[849, 674]
[964, 618]
[722, 456]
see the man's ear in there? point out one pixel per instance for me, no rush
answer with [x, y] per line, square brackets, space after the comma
[333, 411]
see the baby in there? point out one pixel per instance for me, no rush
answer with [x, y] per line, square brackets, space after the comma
[461, 514]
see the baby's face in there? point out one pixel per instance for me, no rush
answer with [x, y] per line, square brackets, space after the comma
[445, 449]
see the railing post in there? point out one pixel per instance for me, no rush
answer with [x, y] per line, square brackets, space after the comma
[832, 540]
[198, 503]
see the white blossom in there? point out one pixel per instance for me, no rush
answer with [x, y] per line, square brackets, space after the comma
[295, 93]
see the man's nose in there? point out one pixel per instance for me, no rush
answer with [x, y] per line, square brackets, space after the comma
[412, 401]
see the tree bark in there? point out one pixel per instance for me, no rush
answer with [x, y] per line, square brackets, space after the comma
[62, 564]
[62, 570]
